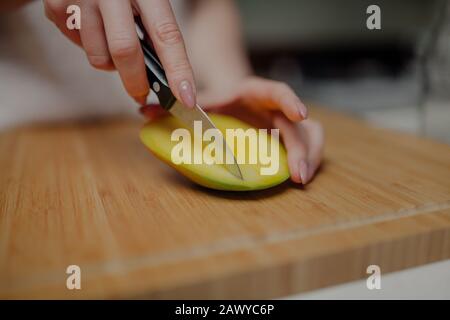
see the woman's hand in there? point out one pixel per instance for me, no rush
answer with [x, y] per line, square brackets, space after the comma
[108, 36]
[270, 104]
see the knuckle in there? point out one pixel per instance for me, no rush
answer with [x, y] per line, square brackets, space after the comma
[283, 87]
[283, 92]
[281, 102]
[168, 33]
[179, 70]
[123, 47]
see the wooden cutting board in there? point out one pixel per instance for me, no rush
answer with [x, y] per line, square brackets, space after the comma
[91, 195]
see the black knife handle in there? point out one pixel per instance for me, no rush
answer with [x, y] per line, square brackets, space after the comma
[155, 73]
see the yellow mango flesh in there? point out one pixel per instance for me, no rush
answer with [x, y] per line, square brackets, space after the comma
[156, 135]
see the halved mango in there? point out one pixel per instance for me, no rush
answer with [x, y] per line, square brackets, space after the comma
[156, 135]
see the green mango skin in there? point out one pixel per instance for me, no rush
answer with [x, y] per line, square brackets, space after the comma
[156, 136]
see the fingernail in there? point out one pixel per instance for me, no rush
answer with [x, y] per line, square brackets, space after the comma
[142, 100]
[302, 110]
[303, 167]
[186, 93]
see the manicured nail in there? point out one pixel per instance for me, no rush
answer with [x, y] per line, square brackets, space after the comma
[303, 111]
[142, 100]
[187, 93]
[303, 167]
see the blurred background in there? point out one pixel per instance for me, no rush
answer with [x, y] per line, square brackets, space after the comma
[397, 77]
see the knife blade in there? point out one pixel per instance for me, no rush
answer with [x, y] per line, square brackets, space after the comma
[158, 82]
[189, 116]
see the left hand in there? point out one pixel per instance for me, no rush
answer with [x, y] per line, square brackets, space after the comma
[270, 104]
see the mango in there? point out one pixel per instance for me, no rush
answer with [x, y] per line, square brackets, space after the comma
[156, 136]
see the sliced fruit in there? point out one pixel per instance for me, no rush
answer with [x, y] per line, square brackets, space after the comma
[156, 135]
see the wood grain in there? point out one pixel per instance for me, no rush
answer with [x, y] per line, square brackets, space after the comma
[90, 194]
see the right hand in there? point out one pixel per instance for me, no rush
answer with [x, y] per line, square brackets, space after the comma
[108, 36]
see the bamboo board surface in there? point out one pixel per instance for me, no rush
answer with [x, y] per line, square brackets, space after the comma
[90, 194]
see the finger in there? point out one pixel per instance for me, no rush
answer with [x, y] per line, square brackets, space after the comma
[274, 95]
[124, 47]
[159, 20]
[296, 148]
[316, 138]
[93, 37]
[56, 11]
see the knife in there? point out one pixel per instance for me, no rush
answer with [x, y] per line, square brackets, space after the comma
[158, 82]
